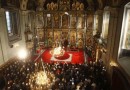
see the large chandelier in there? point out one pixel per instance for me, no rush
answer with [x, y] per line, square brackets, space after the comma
[41, 78]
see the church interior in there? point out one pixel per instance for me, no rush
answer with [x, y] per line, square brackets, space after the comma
[64, 45]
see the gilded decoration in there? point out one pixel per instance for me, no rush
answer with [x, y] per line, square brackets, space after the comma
[63, 23]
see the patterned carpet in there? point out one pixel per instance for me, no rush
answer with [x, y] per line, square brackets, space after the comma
[77, 57]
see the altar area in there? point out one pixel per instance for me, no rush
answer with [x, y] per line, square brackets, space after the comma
[74, 57]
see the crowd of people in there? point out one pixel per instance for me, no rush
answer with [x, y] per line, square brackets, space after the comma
[61, 76]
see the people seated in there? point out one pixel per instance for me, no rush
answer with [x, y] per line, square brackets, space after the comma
[61, 76]
[2, 82]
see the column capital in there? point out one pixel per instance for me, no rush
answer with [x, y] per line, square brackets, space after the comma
[99, 12]
[24, 12]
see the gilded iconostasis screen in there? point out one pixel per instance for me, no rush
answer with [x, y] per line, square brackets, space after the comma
[89, 32]
[90, 21]
[48, 20]
[80, 21]
[72, 38]
[40, 20]
[73, 20]
[56, 20]
[55, 29]
[80, 39]
[65, 20]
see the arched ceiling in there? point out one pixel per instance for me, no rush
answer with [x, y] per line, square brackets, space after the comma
[42, 4]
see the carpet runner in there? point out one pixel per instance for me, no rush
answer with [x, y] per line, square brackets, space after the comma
[77, 57]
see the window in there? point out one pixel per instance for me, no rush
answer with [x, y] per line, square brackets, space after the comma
[12, 23]
[124, 49]
[124, 46]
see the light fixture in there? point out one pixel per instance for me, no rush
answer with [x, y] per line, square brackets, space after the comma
[112, 63]
[22, 54]
[66, 13]
[41, 78]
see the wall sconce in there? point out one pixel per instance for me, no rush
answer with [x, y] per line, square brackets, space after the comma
[112, 63]
[11, 46]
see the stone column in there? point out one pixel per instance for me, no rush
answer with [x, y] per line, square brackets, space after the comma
[100, 20]
[112, 32]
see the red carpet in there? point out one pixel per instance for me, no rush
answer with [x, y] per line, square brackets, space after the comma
[77, 56]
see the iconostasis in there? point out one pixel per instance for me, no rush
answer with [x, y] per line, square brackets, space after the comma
[58, 26]
[89, 32]
[55, 28]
